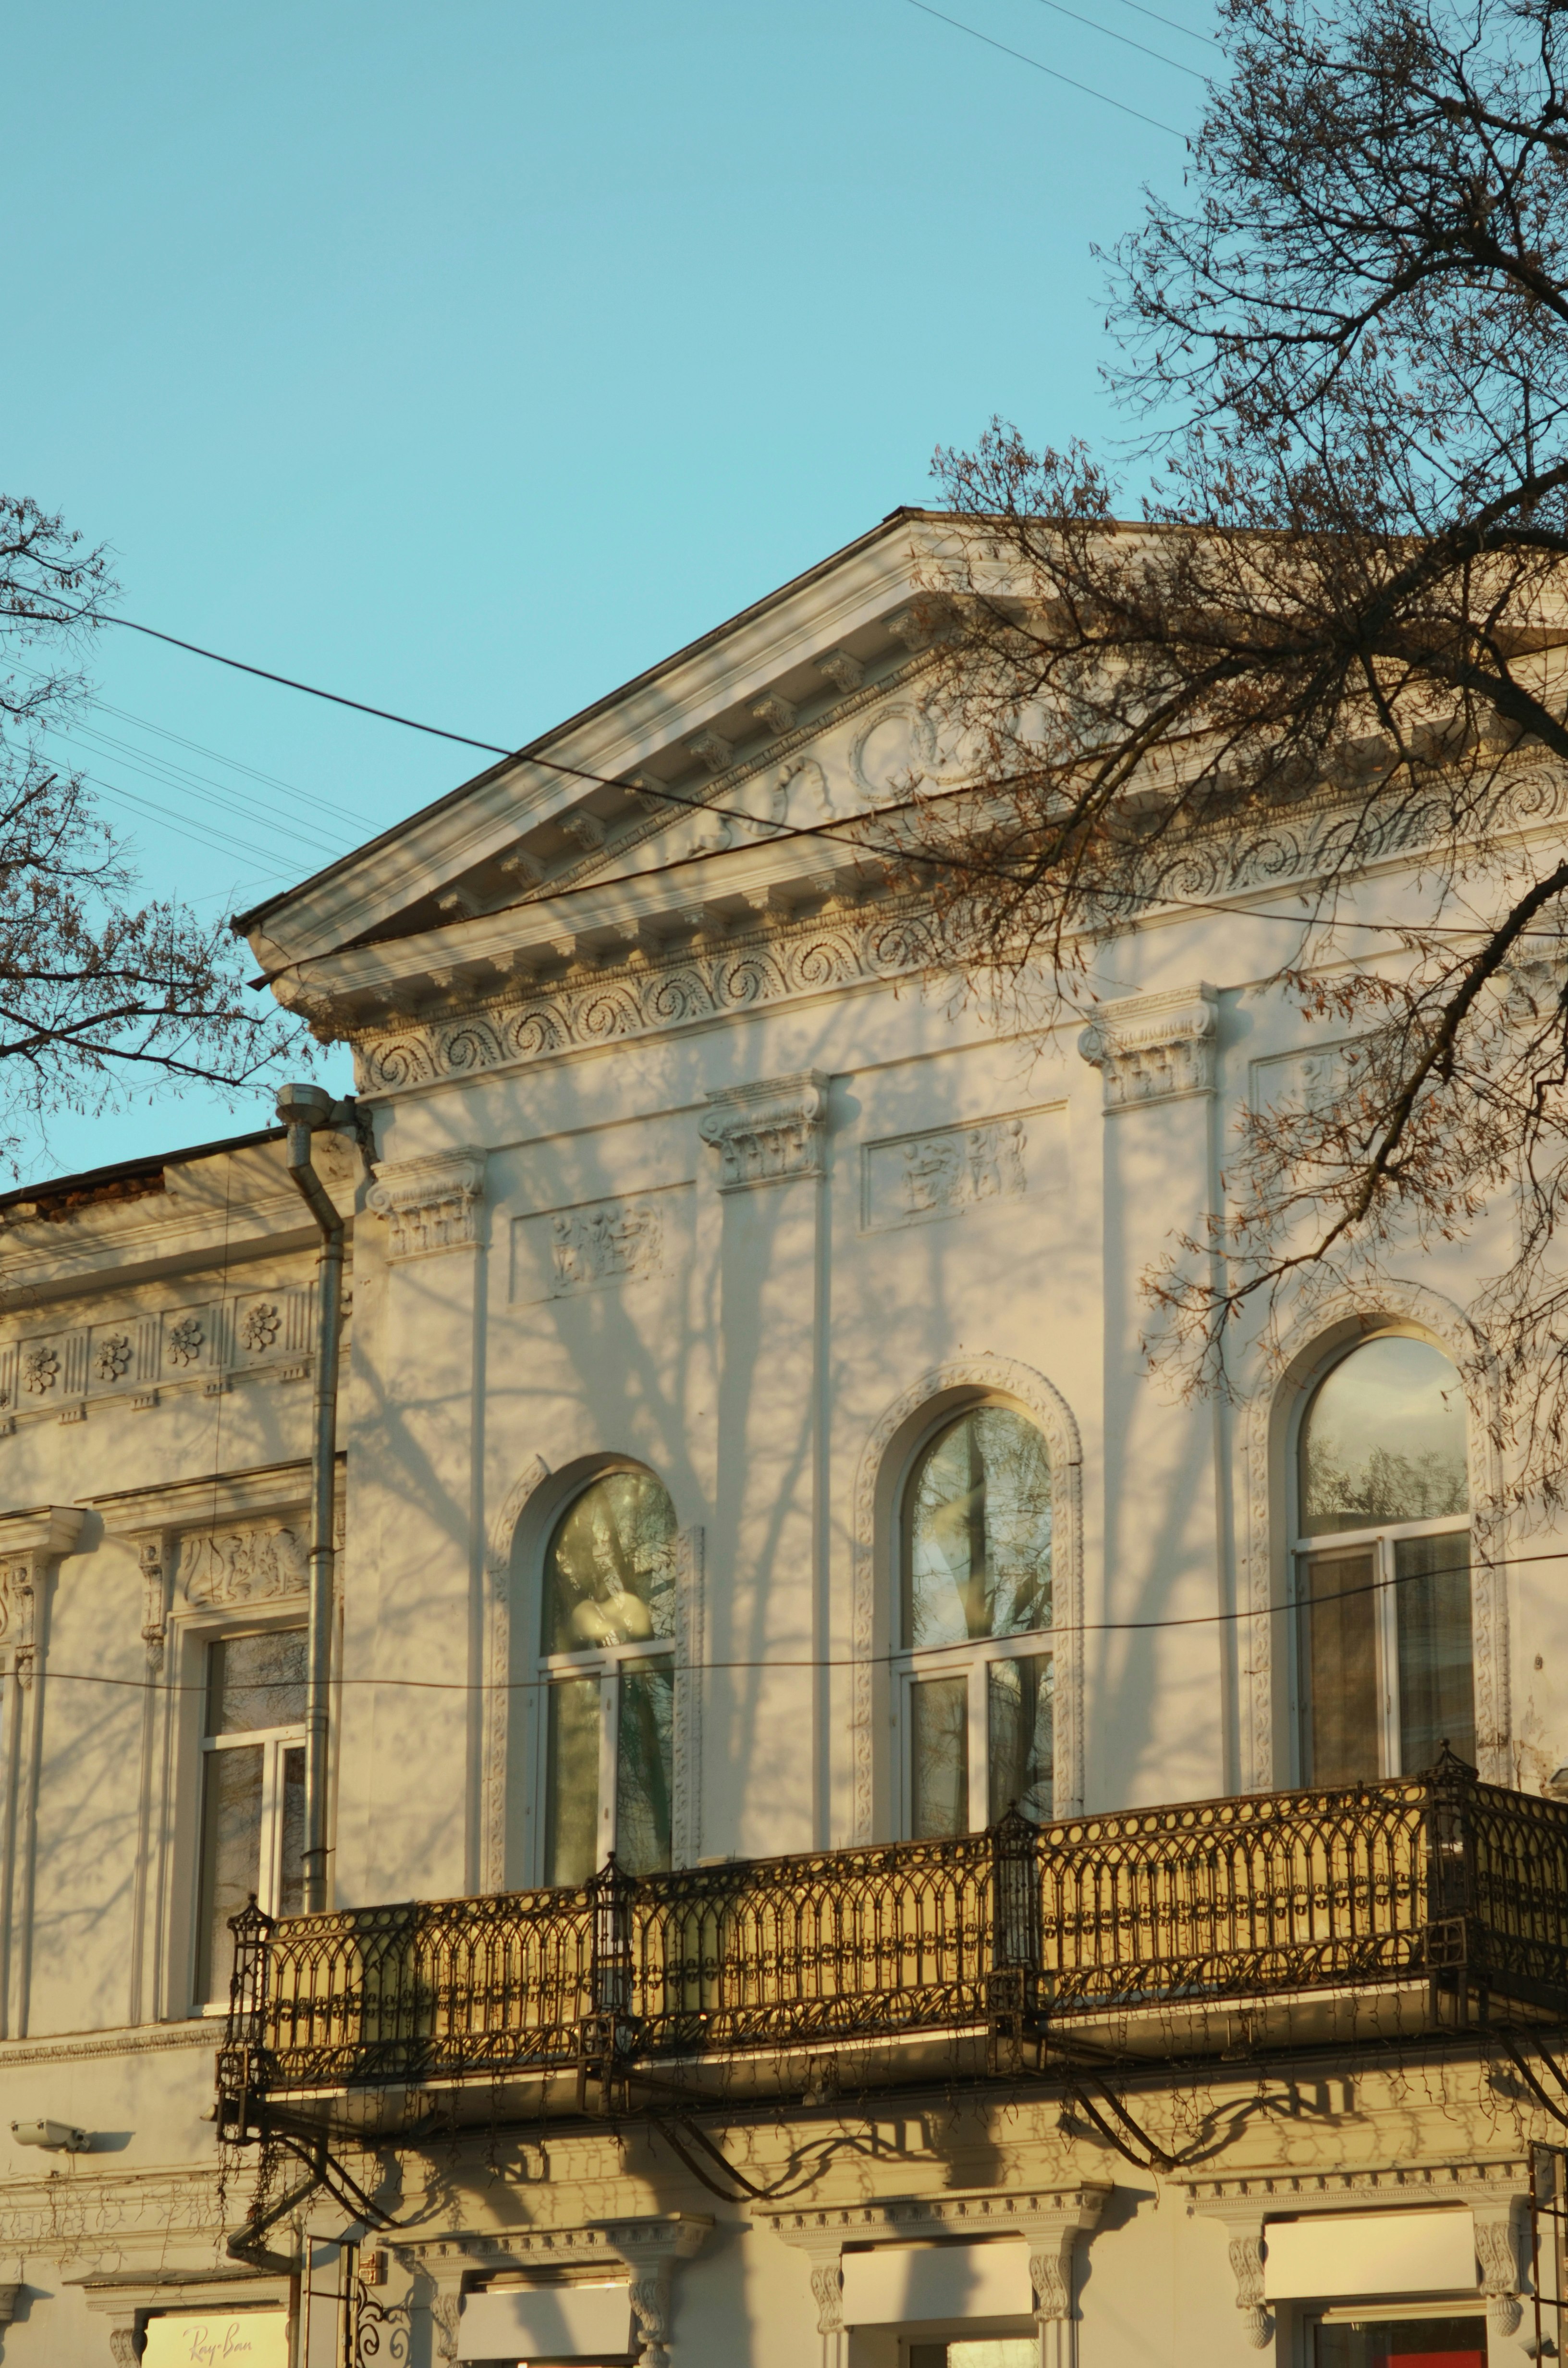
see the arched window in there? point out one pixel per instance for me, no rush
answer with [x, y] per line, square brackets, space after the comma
[975, 1595]
[607, 1653]
[1382, 1561]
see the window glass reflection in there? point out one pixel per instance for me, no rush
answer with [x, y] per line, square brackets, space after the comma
[1384, 1440]
[977, 1532]
[611, 1571]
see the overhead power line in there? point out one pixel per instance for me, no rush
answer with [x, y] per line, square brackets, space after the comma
[1072, 84]
[1126, 39]
[265, 674]
[1281, 1606]
[1189, 31]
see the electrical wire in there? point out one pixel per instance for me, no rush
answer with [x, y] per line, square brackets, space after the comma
[1125, 39]
[266, 675]
[1188, 30]
[1087, 88]
[836, 832]
[840, 1661]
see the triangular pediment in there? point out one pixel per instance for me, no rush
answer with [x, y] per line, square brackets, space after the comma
[710, 791]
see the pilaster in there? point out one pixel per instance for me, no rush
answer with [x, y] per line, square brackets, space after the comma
[769, 1147]
[1164, 1528]
[30, 1546]
[413, 1825]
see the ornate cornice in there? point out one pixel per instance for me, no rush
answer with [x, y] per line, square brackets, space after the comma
[646, 2244]
[430, 1203]
[766, 1133]
[616, 1003]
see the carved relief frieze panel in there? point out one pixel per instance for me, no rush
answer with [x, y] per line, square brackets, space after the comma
[253, 1565]
[908, 1179]
[594, 1245]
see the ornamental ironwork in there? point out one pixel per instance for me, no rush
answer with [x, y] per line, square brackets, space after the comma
[1438, 1885]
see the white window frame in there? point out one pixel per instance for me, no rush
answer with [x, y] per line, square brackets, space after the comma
[1380, 1543]
[605, 1662]
[274, 1742]
[972, 1660]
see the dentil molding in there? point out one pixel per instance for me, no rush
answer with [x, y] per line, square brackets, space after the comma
[766, 1133]
[1154, 1048]
[430, 1203]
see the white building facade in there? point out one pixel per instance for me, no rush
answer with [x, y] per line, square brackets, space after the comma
[745, 1455]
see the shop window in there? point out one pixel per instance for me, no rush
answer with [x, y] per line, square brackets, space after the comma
[253, 1791]
[1382, 1566]
[974, 1673]
[978, 2351]
[608, 1658]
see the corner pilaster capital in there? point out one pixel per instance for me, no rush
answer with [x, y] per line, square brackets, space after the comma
[1154, 1048]
[766, 1133]
[430, 1203]
[31, 1543]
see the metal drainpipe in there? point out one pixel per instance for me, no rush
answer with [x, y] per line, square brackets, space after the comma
[304, 1110]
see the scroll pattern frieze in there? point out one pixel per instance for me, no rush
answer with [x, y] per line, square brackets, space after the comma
[616, 1004]
[611, 1004]
[55, 1374]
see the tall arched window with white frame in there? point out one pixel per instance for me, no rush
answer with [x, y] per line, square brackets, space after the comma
[1382, 1566]
[608, 1663]
[974, 1670]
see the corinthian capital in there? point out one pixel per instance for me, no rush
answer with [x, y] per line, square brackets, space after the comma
[1154, 1048]
[766, 1133]
[430, 1204]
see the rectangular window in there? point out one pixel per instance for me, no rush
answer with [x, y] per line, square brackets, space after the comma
[1346, 1723]
[253, 1793]
[1457, 2343]
[1018, 1719]
[610, 1769]
[644, 1767]
[1387, 1657]
[1437, 1694]
[939, 1722]
[572, 1784]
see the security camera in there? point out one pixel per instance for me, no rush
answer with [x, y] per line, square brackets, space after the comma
[59, 2136]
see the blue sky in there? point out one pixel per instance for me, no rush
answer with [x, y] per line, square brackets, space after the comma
[467, 359]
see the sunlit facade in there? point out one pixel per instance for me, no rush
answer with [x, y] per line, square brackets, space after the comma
[864, 1827]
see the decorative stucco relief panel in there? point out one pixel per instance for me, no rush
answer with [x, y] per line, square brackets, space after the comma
[909, 1180]
[56, 1375]
[594, 1245]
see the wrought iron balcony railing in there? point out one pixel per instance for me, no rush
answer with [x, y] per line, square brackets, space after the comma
[1148, 1931]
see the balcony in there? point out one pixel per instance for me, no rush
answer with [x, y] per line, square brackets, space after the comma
[1254, 1927]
